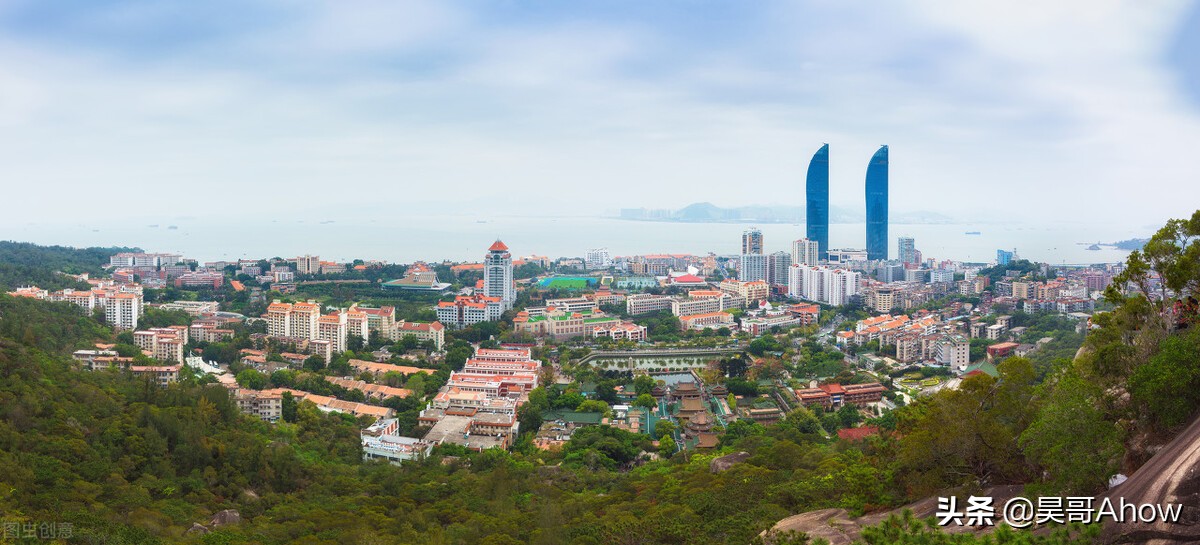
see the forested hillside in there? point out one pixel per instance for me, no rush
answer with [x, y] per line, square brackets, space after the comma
[126, 462]
[24, 263]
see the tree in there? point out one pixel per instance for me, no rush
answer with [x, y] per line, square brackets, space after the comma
[734, 366]
[594, 406]
[731, 400]
[663, 428]
[802, 420]
[315, 363]
[647, 401]
[251, 379]
[968, 436]
[643, 384]
[416, 383]
[1072, 439]
[606, 391]
[848, 415]
[1174, 253]
[289, 407]
[667, 447]
[569, 400]
[1168, 385]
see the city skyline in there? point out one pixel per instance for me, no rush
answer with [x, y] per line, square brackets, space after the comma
[285, 101]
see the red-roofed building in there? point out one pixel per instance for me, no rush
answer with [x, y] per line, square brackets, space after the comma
[836, 395]
[1001, 350]
[433, 331]
[688, 281]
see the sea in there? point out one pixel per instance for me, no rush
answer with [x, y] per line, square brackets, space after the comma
[407, 238]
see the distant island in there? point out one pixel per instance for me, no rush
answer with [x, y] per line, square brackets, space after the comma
[705, 212]
[1128, 245]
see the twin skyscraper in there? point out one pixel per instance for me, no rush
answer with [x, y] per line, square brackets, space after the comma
[817, 203]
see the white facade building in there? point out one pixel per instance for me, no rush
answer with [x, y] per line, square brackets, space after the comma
[823, 284]
[753, 267]
[598, 259]
[806, 252]
[122, 310]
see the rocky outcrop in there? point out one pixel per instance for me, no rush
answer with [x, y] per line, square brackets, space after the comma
[227, 516]
[197, 528]
[1171, 476]
[839, 528]
[725, 462]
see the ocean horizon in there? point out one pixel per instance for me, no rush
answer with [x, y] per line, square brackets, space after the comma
[407, 238]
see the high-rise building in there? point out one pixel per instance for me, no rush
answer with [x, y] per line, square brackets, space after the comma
[908, 251]
[753, 268]
[877, 205]
[823, 284]
[752, 241]
[122, 310]
[816, 211]
[498, 275]
[777, 268]
[806, 251]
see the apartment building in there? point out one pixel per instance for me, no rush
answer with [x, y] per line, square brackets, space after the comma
[304, 321]
[94, 360]
[825, 285]
[163, 343]
[264, 404]
[138, 259]
[122, 310]
[749, 290]
[162, 375]
[381, 319]
[200, 279]
[208, 332]
[433, 331]
[466, 310]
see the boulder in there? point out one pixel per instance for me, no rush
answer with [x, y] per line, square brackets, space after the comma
[197, 528]
[226, 516]
[725, 462]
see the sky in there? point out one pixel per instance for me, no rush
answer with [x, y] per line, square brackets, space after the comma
[231, 109]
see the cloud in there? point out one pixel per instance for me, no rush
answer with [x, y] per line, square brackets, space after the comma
[268, 107]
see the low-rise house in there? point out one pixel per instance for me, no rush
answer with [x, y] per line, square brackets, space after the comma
[159, 374]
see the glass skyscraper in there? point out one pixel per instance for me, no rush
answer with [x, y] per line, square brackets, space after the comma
[877, 205]
[816, 211]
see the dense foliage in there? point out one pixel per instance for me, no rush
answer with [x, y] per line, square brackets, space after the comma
[22, 263]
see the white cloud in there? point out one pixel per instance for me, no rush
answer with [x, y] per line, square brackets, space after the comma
[1056, 107]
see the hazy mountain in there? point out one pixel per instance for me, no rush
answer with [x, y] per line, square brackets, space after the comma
[706, 212]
